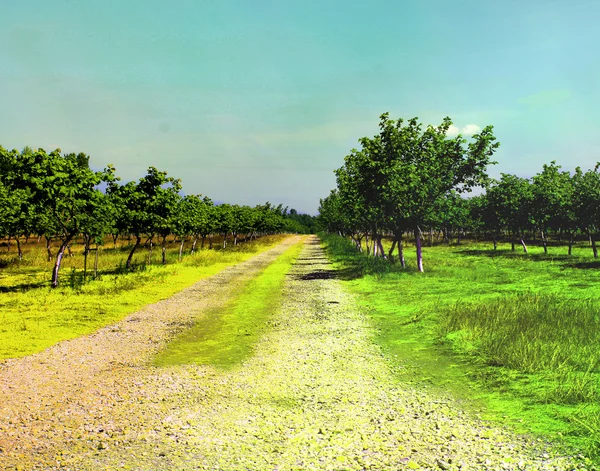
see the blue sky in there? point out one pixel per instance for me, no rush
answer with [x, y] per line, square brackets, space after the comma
[249, 101]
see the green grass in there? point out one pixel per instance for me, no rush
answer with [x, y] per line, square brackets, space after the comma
[34, 316]
[518, 334]
[224, 337]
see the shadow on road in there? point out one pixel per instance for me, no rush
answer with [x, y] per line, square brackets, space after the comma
[327, 274]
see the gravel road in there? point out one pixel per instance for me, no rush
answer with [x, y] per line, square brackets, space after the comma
[317, 394]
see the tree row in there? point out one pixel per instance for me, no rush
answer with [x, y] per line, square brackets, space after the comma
[401, 181]
[59, 197]
[412, 181]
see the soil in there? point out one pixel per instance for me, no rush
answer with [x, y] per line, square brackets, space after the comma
[317, 393]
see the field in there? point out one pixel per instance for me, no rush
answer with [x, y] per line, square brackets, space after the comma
[35, 316]
[516, 335]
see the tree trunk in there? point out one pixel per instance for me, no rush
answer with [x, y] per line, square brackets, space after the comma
[380, 249]
[96, 263]
[367, 244]
[225, 240]
[138, 241]
[375, 245]
[48, 240]
[391, 252]
[419, 250]
[210, 241]
[181, 249]
[235, 238]
[430, 237]
[401, 252]
[571, 244]
[495, 242]
[544, 242]
[164, 250]
[19, 249]
[593, 240]
[86, 250]
[512, 242]
[59, 257]
[523, 244]
[115, 237]
[150, 246]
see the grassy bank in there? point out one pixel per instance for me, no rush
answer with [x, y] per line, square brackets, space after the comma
[516, 333]
[224, 337]
[35, 316]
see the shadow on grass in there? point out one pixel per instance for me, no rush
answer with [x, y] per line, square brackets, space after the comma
[23, 287]
[566, 261]
[584, 265]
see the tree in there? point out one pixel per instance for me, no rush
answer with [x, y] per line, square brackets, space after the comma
[551, 197]
[64, 188]
[586, 197]
[402, 174]
[17, 209]
[224, 221]
[510, 200]
[145, 207]
[95, 225]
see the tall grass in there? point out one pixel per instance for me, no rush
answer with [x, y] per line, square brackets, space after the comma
[552, 340]
[530, 333]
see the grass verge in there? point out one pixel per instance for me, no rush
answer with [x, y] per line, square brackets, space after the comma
[516, 334]
[224, 337]
[37, 318]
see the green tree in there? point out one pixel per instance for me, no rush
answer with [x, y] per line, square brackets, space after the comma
[96, 225]
[551, 198]
[586, 198]
[145, 207]
[510, 199]
[17, 209]
[224, 221]
[64, 189]
[402, 174]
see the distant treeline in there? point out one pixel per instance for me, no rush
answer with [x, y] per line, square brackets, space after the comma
[58, 196]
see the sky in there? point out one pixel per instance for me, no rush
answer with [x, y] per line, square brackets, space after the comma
[249, 101]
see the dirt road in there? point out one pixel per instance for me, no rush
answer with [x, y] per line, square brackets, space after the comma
[316, 394]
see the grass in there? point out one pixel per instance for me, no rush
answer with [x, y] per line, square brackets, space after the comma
[225, 336]
[34, 316]
[516, 333]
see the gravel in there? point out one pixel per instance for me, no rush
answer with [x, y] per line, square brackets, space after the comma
[316, 394]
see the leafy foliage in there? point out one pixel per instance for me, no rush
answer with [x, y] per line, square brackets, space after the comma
[58, 196]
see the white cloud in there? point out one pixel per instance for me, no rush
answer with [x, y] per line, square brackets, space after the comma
[453, 131]
[470, 129]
